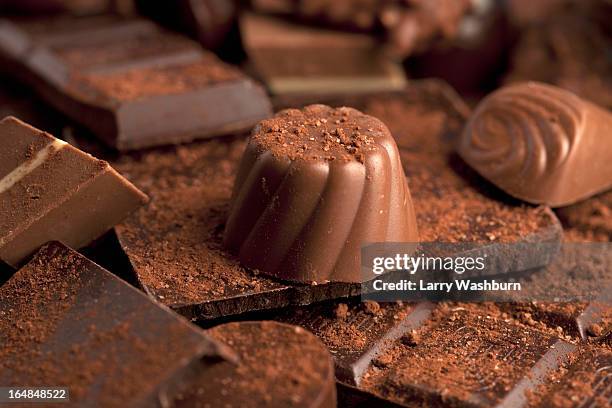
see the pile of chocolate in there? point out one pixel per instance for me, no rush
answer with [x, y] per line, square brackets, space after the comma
[188, 233]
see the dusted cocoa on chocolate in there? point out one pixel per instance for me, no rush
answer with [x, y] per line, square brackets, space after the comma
[313, 186]
[541, 144]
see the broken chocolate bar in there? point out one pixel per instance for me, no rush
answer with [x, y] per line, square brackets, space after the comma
[313, 186]
[175, 243]
[279, 365]
[469, 355]
[540, 143]
[66, 322]
[356, 333]
[133, 84]
[50, 190]
[293, 59]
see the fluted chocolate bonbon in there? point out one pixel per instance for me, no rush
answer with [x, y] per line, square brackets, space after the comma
[313, 186]
[541, 144]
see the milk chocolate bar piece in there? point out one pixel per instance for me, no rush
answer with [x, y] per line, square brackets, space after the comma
[356, 333]
[133, 84]
[312, 173]
[292, 59]
[279, 365]
[66, 321]
[176, 245]
[540, 143]
[50, 190]
[468, 355]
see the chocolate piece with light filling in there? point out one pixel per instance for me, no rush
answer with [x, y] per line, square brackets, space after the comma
[50, 190]
[66, 322]
[295, 59]
[313, 186]
[132, 83]
[540, 143]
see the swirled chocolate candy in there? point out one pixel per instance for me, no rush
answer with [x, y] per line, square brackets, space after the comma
[313, 186]
[50, 190]
[541, 144]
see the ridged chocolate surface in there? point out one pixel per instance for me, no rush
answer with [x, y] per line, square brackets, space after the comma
[541, 144]
[314, 185]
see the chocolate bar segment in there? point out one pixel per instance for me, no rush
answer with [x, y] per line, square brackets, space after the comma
[314, 185]
[66, 322]
[50, 190]
[540, 143]
[279, 365]
[469, 355]
[133, 84]
[175, 245]
[294, 59]
[357, 333]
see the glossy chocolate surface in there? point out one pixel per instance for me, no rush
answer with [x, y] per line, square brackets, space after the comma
[313, 186]
[541, 144]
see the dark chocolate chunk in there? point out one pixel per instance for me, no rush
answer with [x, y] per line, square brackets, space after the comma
[294, 59]
[279, 365]
[66, 322]
[357, 333]
[133, 84]
[175, 243]
[314, 185]
[540, 143]
[50, 190]
[468, 355]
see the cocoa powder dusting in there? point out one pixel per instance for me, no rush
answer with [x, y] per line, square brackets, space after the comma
[175, 243]
[319, 132]
[279, 365]
[59, 326]
[143, 83]
[463, 350]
